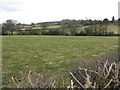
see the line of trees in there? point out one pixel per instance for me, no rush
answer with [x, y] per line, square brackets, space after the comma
[67, 27]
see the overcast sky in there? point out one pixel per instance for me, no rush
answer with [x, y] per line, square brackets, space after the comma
[28, 11]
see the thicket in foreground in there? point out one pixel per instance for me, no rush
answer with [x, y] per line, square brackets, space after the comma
[98, 75]
[31, 80]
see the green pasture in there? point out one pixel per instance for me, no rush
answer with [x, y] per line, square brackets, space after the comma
[51, 56]
[113, 28]
[54, 26]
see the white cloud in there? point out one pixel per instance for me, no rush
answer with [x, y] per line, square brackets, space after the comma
[9, 6]
[51, 10]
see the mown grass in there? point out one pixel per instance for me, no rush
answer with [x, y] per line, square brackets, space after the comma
[51, 56]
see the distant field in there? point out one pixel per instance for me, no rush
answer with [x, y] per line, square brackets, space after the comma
[54, 26]
[113, 28]
[51, 55]
[110, 28]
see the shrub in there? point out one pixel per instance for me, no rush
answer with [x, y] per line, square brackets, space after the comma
[45, 32]
[99, 74]
[54, 32]
[110, 33]
[20, 32]
[81, 33]
[32, 80]
[89, 31]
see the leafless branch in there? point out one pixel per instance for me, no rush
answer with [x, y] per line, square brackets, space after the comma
[76, 80]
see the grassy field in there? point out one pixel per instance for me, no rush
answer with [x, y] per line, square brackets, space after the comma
[51, 56]
[113, 28]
